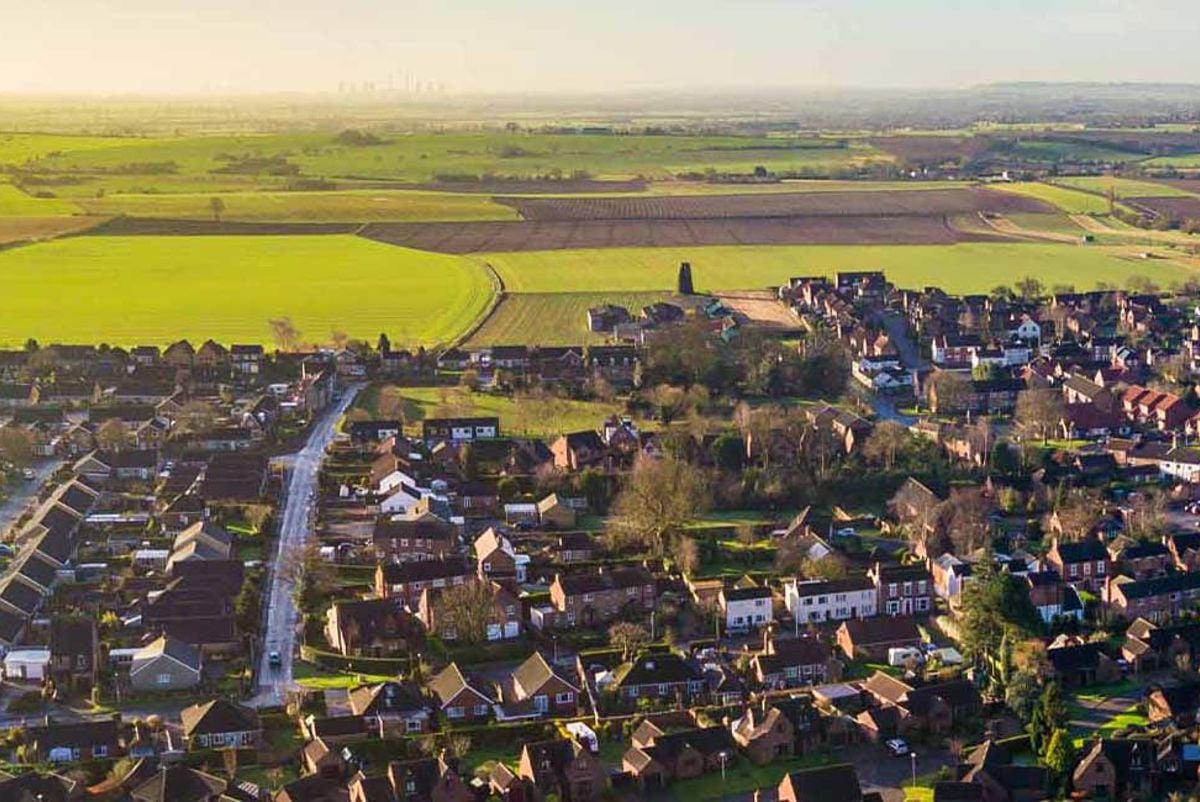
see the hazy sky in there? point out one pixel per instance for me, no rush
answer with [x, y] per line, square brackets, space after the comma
[489, 45]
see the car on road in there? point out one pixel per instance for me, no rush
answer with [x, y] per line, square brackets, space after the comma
[897, 747]
[28, 474]
[274, 659]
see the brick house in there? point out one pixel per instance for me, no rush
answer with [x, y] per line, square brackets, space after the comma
[426, 537]
[788, 663]
[578, 450]
[764, 733]
[405, 581]
[1185, 549]
[1113, 768]
[74, 652]
[371, 627]
[459, 696]
[391, 708]
[825, 784]
[495, 557]
[594, 599]
[536, 688]
[1140, 559]
[659, 675]
[565, 768]
[872, 637]
[1085, 564]
[504, 622]
[220, 723]
[902, 589]
[1157, 599]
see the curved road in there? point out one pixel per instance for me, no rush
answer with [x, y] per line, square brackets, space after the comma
[296, 527]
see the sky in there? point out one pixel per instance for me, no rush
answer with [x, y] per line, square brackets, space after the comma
[222, 46]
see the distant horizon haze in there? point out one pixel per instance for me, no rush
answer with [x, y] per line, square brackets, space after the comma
[477, 47]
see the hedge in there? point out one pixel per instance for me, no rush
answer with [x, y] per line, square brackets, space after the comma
[332, 661]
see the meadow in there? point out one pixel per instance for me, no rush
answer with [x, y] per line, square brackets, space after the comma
[962, 268]
[353, 206]
[553, 318]
[1070, 201]
[416, 158]
[1123, 187]
[533, 416]
[129, 290]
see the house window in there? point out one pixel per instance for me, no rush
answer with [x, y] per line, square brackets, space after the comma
[921, 586]
[892, 587]
[587, 597]
[1087, 569]
[163, 679]
[664, 689]
[454, 712]
[413, 725]
[893, 607]
[631, 591]
[922, 604]
[481, 710]
[100, 750]
[1074, 571]
[564, 698]
[1099, 568]
[908, 588]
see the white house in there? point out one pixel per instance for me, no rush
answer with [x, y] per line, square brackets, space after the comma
[830, 599]
[746, 607]
[1027, 329]
[26, 665]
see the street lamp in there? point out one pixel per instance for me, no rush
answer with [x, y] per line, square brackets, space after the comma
[913, 756]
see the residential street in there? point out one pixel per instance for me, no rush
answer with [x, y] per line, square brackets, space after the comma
[24, 490]
[296, 526]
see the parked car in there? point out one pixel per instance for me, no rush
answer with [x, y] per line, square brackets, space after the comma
[897, 747]
[29, 474]
[274, 659]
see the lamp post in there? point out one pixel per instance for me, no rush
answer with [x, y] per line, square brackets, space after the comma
[913, 756]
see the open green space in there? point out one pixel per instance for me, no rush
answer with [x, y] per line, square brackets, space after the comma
[17, 148]
[1123, 187]
[526, 415]
[558, 318]
[351, 206]
[1183, 161]
[1069, 200]
[962, 268]
[128, 290]
[15, 203]
[278, 158]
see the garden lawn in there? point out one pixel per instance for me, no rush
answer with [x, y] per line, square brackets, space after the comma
[526, 416]
[743, 778]
[963, 268]
[558, 318]
[131, 290]
[311, 676]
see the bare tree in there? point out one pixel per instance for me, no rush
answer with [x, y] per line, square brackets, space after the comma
[888, 439]
[628, 638]
[686, 554]
[195, 417]
[111, 436]
[1040, 410]
[16, 446]
[660, 498]
[948, 392]
[467, 610]
[285, 333]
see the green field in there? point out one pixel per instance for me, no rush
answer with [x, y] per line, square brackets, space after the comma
[422, 157]
[1069, 200]
[1186, 161]
[1124, 187]
[553, 318]
[529, 416]
[355, 206]
[15, 203]
[20, 148]
[962, 268]
[128, 290]
[1057, 151]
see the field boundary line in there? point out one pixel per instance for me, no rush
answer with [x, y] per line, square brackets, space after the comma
[499, 293]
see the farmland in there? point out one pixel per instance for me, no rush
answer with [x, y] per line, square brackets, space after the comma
[355, 206]
[1123, 187]
[824, 204]
[553, 318]
[961, 268]
[126, 290]
[1069, 200]
[563, 234]
[1178, 208]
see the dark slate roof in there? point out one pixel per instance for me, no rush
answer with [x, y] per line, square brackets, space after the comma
[957, 792]
[826, 784]
[1159, 586]
[218, 716]
[1074, 658]
[178, 784]
[705, 740]
[867, 631]
[659, 668]
[1082, 551]
[75, 734]
[744, 594]
[386, 697]
[424, 570]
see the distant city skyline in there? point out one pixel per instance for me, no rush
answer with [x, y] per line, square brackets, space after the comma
[480, 46]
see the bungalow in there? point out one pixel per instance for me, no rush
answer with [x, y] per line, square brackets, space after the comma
[658, 675]
[873, 637]
[765, 733]
[220, 723]
[68, 743]
[391, 708]
[459, 430]
[838, 783]
[679, 756]
[166, 664]
[371, 627]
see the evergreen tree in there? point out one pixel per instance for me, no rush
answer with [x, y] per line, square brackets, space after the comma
[1059, 756]
[684, 283]
[384, 346]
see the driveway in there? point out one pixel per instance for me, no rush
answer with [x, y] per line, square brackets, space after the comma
[296, 527]
[23, 493]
